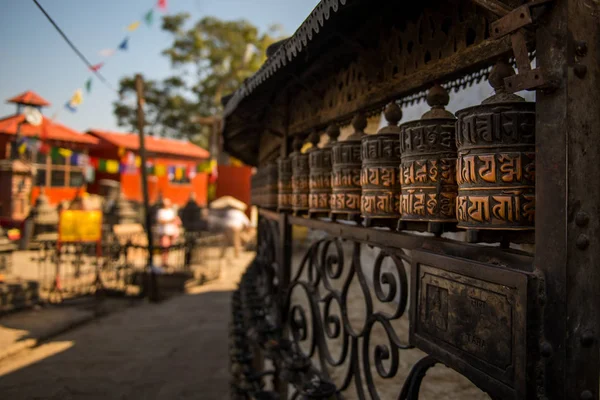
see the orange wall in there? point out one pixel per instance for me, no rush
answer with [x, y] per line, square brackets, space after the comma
[235, 182]
[131, 185]
[55, 194]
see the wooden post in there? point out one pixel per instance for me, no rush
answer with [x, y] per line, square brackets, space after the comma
[139, 88]
[567, 211]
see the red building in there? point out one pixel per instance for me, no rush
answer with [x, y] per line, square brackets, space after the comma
[60, 179]
[160, 152]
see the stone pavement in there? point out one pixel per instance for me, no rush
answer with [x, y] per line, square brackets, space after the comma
[175, 350]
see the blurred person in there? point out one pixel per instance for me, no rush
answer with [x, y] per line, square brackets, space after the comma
[169, 225]
[236, 225]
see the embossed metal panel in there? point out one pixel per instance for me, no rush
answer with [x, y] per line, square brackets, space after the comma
[472, 317]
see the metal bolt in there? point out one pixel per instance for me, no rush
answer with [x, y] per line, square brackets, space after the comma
[582, 219]
[581, 48]
[583, 241]
[546, 349]
[587, 339]
[586, 395]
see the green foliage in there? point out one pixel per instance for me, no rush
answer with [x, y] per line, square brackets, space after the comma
[210, 58]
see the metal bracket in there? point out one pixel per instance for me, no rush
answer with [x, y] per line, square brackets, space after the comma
[514, 24]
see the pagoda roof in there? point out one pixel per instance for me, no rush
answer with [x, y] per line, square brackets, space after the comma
[49, 129]
[29, 98]
[131, 141]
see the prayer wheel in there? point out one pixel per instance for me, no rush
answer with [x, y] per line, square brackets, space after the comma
[346, 167]
[428, 168]
[379, 180]
[284, 184]
[299, 179]
[271, 186]
[496, 160]
[319, 160]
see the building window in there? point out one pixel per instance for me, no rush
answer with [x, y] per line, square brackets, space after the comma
[57, 178]
[62, 173]
[40, 179]
[75, 178]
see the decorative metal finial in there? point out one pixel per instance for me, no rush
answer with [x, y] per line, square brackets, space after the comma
[501, 70]
[314, 139]
[297, 144]
[437, 98]
[359, 123]
[392, 114]
[333, 131]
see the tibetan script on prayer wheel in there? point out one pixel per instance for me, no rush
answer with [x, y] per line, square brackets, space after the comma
[379, 176]
[496, 160]
[284, 196]
[345, 177]
[300, 173]
[319, 160]
[428, 168]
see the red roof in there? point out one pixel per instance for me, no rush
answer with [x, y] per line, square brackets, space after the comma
[130, 141]
[54, 130]
[29, 97]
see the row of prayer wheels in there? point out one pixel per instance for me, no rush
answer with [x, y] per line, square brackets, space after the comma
[475, 169]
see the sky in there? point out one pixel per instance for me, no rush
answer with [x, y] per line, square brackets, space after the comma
[33, 56]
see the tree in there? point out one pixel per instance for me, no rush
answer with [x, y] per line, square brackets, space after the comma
[210, 58]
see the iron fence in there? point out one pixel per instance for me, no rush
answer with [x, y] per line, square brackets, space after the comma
[117, 266]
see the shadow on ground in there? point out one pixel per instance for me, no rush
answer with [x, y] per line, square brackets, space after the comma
[176, 350]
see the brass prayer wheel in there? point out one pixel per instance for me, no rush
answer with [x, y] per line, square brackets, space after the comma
[284, 184]
[271, 186]
[428, 168]
[379, 176]
[496, 160]
[346, 167]
[299, 179]
[319, 161]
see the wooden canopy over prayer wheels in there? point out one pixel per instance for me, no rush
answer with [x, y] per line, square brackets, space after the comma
[346, 168]
[284, 184]
[319, 160]
[428, 169]
[380, 183]
[496, 160]
[300, 173]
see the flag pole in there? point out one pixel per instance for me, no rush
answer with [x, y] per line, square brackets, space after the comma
[153, 288]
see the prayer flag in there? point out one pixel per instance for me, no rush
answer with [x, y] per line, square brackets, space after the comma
[88, 85]
[149, 17]
[112, 166]
[133, 26]
[160, 170]
[102, 165]
[138, 161]
[178, 173]
[107, 52]
[191, 173]
[77, 98]
[70, 107]
[22, 147]
[124, 44]
[96, 67]
[90, 174]
[162, 5]
[65, 153]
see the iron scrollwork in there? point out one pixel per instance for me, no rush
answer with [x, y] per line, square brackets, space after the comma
[310, 337]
